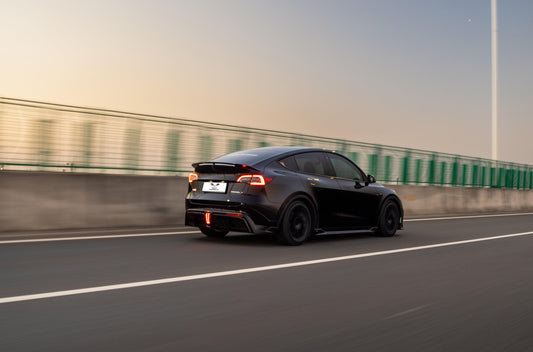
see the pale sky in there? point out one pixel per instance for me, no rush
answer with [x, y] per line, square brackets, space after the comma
[409, 73]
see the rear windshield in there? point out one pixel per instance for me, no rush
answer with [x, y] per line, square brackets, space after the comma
[247, 157]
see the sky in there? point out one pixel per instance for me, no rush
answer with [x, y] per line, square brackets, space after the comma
[408, 73]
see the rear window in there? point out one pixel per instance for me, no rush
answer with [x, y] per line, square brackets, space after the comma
[244, 157]
[307, 163]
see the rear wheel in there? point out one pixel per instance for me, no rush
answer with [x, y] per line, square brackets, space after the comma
[389, 218]
[213, 233]
[296, 224]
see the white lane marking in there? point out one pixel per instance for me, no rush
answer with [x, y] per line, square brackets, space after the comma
[407, 311]
[97, 237]
[246, 270]
[466, 217]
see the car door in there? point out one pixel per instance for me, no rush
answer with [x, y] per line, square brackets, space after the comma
[358, 200]
[315, 172]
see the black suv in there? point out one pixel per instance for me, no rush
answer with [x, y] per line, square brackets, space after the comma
[290, 191]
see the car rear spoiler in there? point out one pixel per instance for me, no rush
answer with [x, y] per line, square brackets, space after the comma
[226, 168]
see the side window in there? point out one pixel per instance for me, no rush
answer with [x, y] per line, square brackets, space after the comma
[310, 163]
[289, 163]
[345, 169]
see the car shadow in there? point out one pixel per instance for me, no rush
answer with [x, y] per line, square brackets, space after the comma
[268, 239]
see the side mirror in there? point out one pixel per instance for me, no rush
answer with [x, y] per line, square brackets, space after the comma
[371, 179]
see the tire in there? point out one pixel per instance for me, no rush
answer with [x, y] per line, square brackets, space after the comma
[296, 225]
[389, 218]
[213, 233]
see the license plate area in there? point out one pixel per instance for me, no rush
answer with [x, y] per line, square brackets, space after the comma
[214, 187]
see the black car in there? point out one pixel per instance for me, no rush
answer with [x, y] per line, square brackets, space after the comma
[291, 192]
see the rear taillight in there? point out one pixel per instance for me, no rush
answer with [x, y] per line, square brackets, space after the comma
[193, 177]
[254, 180]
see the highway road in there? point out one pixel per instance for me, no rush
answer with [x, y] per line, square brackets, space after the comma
[456, 284]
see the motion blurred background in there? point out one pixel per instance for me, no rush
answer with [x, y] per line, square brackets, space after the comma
[413, 74]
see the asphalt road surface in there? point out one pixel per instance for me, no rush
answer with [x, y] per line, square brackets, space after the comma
[461, 284]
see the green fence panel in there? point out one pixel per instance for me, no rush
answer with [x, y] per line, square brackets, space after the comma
[234, 145]
[206, 146]
[431, 171]
[463, 179]
[406, 165]
[373, 164]
[87, 139]
[172, 149]
[501, 178]
[354, 156]
[442, 173]
[418, 171]
[132, 148]
[475, 176]
[44, 141]
[455, 167]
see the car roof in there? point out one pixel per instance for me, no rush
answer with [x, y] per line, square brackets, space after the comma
[257, 156]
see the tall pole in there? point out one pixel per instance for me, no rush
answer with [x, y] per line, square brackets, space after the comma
[494, 80]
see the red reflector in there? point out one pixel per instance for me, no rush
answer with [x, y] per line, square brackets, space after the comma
[208, 218]
[193, 177]
[236, 215]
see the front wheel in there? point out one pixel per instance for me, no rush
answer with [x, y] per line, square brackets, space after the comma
[213, 233]
[296, 224]
[389, 218]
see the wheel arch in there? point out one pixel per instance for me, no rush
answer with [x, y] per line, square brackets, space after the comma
[299, 196]
[392, 197]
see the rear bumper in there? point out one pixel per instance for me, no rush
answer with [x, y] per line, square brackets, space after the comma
[222, 219]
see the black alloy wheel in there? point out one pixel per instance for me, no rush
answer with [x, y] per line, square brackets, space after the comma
[213, 233]
[389, 219]
[296, 224]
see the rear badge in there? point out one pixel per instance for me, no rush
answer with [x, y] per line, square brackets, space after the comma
[215, 187]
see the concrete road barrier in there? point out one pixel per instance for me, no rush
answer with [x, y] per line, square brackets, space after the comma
[51, 201]
[442, 201]
[45, 201]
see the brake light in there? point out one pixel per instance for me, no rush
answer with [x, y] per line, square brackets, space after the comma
[193, 177]
[208, 218]
[254, 180]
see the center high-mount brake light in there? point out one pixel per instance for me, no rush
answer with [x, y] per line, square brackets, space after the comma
[192, 177]
[253, 180]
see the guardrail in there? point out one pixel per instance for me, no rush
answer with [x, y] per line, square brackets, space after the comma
[43, 136]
